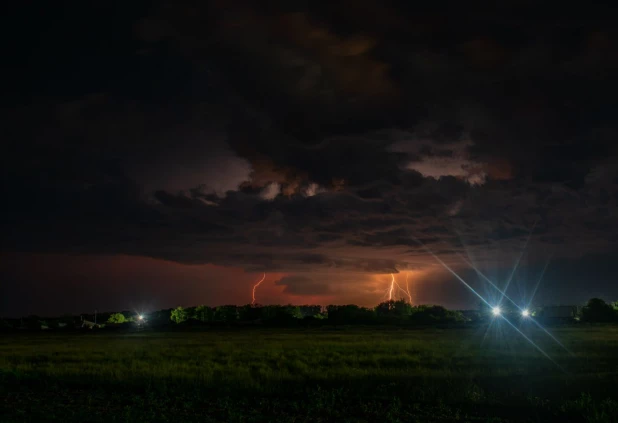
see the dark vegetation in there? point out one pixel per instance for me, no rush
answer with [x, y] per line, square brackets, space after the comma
[325, 374]
[391, 363]
[395, 312]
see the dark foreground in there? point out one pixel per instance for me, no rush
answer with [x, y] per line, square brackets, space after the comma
[343, 375]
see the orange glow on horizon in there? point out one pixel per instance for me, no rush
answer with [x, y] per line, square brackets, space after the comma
[157, 283]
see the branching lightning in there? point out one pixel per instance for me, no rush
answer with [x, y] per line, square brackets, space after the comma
[394, 284]
[255, 287]
[408, 288]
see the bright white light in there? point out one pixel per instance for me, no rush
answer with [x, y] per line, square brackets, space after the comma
[496, 311]
[140, 317]
[525, 313]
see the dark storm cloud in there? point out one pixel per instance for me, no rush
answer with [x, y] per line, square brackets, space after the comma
[291, 137]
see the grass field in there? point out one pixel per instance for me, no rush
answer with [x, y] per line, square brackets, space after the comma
[328, 374]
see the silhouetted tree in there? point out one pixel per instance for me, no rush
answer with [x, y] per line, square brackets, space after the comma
[431, 314]
[249, 313]
[226, 313]
[597, 310]
[310, 310]
[269, 312]
[350, 314]
[392, 308]
[116, 318]
[179, 315]
[276, 314]
[203, 313]
[292, 311]
[160, 316]
[190, 313]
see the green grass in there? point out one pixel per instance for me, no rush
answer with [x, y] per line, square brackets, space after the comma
[352, 374]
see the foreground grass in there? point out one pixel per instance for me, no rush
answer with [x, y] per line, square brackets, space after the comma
[312, 375]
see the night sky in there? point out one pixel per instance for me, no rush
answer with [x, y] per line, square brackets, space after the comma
[168, 153]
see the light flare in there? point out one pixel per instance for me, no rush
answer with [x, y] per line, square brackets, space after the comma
[514, 303]
[508, 282]
[486, 302]
[538, 282]
[255, 287]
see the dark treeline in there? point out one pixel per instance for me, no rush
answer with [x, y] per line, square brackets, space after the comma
[386, 312]
[394, 312]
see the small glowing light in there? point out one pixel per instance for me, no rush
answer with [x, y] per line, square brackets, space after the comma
[140, 317]
[496, 311]
[525, 313]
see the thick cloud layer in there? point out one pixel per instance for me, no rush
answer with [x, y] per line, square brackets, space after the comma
[350, 137]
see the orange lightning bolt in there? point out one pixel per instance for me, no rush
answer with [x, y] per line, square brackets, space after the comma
[408, 288]
[255, 287]
[394, 284]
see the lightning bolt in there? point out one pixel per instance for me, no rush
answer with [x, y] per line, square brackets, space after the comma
[407, 291]
[394, 287]
[255, 287]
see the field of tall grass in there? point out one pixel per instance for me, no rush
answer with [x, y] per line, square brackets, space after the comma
[327, 374]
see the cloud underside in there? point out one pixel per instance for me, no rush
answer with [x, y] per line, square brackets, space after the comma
[294, 144]
[394, 229]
